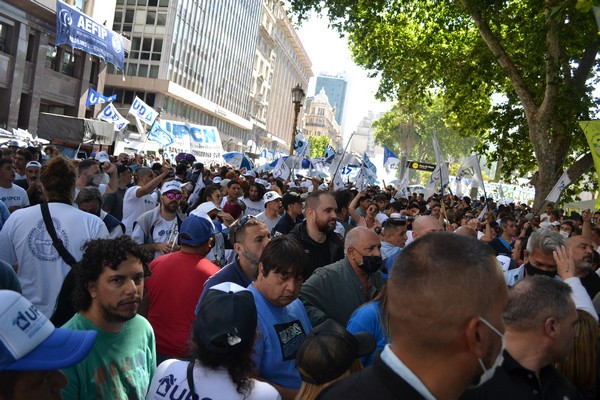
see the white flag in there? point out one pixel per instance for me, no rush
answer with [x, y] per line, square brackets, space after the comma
[281, 170]
[143, 111]
[441, 163]
[403, 186]
[557, 190]
[471, 170]
[110, 114]
[434, 182]
[338, 182]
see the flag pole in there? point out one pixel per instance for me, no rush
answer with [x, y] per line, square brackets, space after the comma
[345, 150]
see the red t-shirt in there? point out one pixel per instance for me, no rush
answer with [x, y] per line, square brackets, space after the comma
[173, 289]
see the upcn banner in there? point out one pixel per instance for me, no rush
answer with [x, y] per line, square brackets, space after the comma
[204, 142]
[79, 31]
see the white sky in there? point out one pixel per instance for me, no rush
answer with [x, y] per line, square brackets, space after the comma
[330, 54]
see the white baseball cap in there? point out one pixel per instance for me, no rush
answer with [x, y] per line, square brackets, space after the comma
[270, 196]
[170, 186]
[29, 341]
[102, 156]
[205, 208]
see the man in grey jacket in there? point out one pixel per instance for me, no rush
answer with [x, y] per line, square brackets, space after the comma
[336, 290]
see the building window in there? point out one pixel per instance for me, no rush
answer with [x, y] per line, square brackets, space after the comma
[68, 63]
[51, 57]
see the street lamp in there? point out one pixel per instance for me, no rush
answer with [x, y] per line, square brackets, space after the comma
[297, 99]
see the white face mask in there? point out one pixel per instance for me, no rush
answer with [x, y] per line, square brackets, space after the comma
[564, 234]
[489, 372]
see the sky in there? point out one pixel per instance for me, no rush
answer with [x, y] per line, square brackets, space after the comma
[330, 54]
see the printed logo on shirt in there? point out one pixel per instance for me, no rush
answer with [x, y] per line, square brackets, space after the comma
[290, 337]
[168, 389]
[40, 244]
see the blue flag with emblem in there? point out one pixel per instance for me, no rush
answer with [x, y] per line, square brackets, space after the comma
[329, 152]
[160, 135]
[369, 165]
[390, 160]
[97, 98]
[300, 143]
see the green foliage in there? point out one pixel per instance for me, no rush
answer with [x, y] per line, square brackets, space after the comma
[517, 74]
[317, 145]
[408, 131]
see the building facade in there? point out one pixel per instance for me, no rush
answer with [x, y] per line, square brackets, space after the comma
[335, 86]
[319, 119]
[35, 75]
[363, 138]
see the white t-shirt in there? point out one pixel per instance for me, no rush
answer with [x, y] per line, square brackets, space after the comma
[163, 232]
[269, 222]
[25, 241]
[133, 206]
[253, 207]
[170, 382]
[14, 196]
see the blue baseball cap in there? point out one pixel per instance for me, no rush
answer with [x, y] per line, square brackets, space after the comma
[196, 229]
[30, 342]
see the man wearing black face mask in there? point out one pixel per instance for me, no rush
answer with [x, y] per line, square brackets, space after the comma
[336, 290]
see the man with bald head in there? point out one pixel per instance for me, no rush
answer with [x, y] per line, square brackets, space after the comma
[446, 294]
[336, 290]
[582, 252]
[541, 327]
[466, 231]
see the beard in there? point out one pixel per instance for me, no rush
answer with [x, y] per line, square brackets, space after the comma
[326, 225]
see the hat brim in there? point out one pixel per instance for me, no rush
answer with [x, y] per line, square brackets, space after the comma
[366, 343]
[62, 349]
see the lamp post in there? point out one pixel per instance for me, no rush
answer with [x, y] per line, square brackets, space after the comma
[297, 99]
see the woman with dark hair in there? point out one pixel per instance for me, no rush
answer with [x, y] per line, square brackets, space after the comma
[222, 340]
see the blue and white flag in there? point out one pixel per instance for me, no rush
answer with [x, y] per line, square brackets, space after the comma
[469, 170]
[300, 144]
[281, 169]
[558, 188]
[77, 30]
[371, 168]
[97, 98]
[143, 111]
[403, 186]
[329, 152]
[390, 160]
[160, 135]
[433, 183]
[110, 114]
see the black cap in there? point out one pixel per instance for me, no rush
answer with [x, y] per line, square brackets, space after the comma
[329, 351]
[227, 318]
[291, 198]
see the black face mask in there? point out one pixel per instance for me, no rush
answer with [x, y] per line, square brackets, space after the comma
[370, 264]
[530, 270]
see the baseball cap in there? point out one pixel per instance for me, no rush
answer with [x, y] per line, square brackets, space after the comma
[13, 143]
[29, 341]
[205, 208]
[170, 186]
[234, 208]
[227, 319]
[225, 182]
[291, 198]
[329, 351]
[250, 173]
[195, 229]
[529, 216]
[102, 156]
[33, 164]
[270, 196]
[217, 179]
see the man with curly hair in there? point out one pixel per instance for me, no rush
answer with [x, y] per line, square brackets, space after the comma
[109, 285]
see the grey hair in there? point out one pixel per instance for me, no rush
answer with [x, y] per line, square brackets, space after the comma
[545, 240]
[88, 193]
[534, 299]
[354, 237]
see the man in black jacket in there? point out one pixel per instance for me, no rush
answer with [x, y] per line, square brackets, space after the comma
[316, 233]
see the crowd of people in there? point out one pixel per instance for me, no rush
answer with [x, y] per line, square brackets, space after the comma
[127, 279]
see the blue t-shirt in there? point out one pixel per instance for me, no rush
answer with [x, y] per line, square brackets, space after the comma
[232, 272]
[367, 318]
[281, 330]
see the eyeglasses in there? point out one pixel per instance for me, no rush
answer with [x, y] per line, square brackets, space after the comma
[244, 219]
[174, 195]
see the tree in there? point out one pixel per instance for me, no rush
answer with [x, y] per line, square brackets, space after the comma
[537, 57]
[317, 145]
[408, 131]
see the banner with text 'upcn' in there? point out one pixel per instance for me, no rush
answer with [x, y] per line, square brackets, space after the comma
[204, 142]
[79, 31]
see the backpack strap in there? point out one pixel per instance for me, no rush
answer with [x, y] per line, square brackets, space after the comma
[56, 242]
[190, 380]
